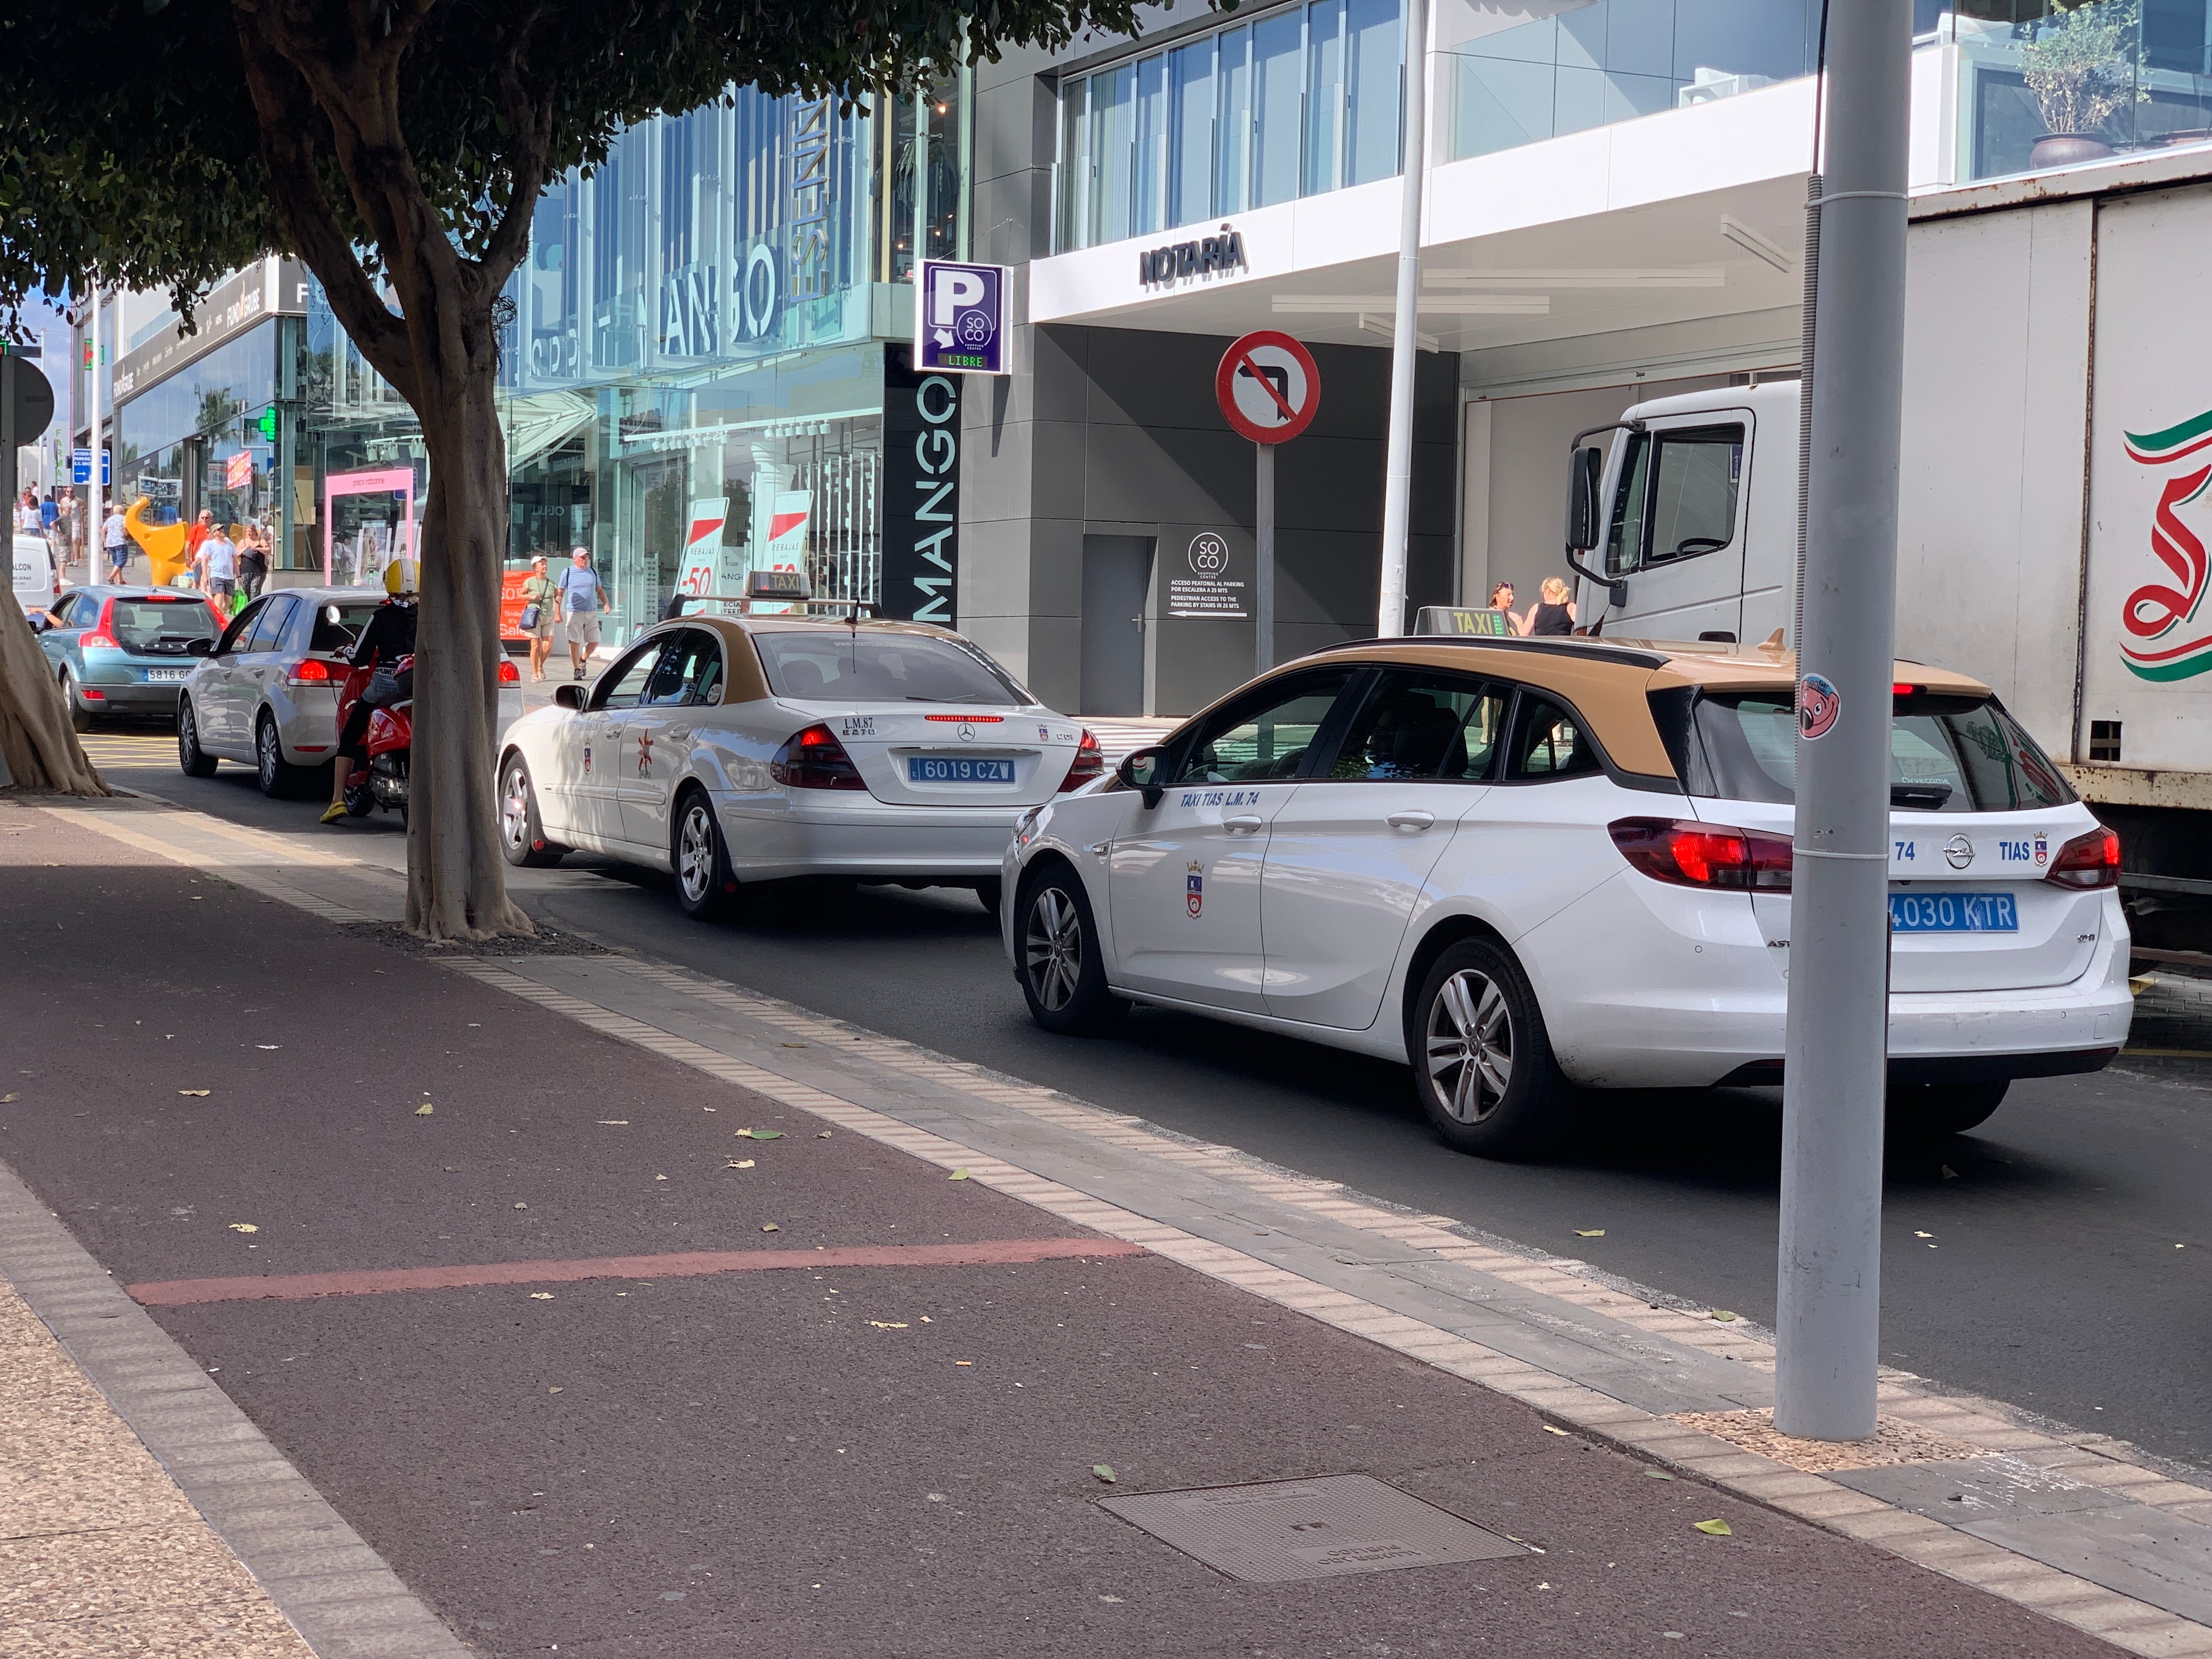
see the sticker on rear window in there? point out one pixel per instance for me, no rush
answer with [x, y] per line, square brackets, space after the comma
[857, 725]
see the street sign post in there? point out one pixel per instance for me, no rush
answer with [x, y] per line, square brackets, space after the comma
[961, 318]
[1269, 391]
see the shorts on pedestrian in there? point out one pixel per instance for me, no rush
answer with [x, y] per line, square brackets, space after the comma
[545, 624]
[221, 586]
[583, 627]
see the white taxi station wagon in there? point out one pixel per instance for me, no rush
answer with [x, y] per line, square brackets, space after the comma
[731, 749]
[1528, 866]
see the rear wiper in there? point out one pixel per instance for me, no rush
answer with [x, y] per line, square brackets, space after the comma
[1928, 797]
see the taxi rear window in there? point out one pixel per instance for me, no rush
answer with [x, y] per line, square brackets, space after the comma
[1946, 754]
[846, 666]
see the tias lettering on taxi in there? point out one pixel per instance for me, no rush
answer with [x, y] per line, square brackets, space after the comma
[1220, 797]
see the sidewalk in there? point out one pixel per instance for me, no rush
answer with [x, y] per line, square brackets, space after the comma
[584, 1367]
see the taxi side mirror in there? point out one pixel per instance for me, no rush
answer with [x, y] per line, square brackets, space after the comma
[1142, 770]
[570, 695]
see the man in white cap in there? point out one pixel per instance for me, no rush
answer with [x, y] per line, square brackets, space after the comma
[582, 600]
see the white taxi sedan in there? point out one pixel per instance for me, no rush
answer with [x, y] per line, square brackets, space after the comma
[730, 751]
[1529, 866]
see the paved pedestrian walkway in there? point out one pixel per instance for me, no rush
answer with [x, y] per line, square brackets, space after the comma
[573, 1301]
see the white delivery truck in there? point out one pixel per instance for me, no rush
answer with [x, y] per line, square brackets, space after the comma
[2055, 502]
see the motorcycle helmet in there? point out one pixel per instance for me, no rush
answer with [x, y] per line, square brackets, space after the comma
[399, 577]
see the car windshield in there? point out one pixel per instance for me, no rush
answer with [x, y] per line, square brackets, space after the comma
[852, 666]
[139, 624]
[338, 624]
[1946, 754]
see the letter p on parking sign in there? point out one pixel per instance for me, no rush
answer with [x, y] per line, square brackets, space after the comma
[961, 321]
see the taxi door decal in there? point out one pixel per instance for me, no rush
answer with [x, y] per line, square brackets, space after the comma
[1195, 889]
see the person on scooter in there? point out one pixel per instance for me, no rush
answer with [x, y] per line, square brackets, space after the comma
[389, 636]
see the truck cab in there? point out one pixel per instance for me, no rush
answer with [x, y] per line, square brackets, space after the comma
[1686, 531]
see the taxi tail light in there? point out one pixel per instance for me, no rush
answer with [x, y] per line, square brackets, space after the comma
[2089, 861]
[814, 759]
[1089, 763]
[1689, 854]
[310, 670]
[509, 674]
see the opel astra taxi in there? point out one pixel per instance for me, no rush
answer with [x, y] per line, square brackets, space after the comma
[1526, 867]
[734, 749]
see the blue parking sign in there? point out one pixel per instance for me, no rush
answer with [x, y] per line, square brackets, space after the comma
[81, 467]
[961, 320]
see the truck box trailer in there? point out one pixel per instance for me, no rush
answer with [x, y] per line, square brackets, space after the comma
[2054, 511]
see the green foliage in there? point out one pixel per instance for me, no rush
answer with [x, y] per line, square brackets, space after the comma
[130, 150]
[2079, 67]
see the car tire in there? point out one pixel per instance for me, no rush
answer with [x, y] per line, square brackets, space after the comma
[706, 889]
[1059, 963]
[521, 836]
[81, 718]
[991, 894]
[1929, 1110]
[278, 778]
[194, 761]
[1482, 1060]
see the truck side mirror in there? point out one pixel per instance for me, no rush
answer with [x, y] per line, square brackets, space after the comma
[1583, 468]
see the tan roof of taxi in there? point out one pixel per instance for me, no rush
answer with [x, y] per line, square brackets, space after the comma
[1608, 679]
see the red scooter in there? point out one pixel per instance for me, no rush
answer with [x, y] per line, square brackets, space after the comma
[381, 781]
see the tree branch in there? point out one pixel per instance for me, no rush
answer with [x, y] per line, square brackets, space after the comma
[287, 121]
[532, 122]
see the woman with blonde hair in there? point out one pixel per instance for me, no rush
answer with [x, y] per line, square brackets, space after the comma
[1554, 611]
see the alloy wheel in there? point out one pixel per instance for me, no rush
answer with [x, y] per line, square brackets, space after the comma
[695, 853]
[1053, 949]
[514, 808]
[270, 758]
[1470, 1046]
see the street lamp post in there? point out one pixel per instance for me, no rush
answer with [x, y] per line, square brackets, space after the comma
[96, 512]
[1398, 475]
[1836, 1048]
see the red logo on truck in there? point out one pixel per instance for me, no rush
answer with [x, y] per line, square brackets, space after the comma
[2166, 640]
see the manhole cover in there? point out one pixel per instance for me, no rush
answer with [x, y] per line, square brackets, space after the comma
[1277, 1530]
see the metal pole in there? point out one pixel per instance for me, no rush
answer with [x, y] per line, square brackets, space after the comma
[1398, 475]
[1263, 581]
[1830, 1243]
[95, 509]
[8, 441]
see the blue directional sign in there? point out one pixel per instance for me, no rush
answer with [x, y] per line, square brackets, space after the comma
[81, 467]
[961, 318]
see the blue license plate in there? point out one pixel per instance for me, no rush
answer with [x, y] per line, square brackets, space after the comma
[1954, 913]
[957, 769]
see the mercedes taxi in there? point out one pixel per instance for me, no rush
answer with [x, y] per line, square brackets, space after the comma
[781, 742]
[1526, 867]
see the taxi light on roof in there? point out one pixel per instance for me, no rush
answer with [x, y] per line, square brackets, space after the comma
[1689, 854]
[967, 720]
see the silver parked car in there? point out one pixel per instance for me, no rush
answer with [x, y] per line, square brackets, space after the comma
[266, 693]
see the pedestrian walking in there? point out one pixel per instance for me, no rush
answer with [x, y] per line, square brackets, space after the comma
[253, 562]
[27, 522]
[218, 562]
[582, 599]
[1554, 611]
[202, 528]
[541, 608]
[115, 536]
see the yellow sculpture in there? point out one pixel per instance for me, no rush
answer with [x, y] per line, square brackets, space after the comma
[166, 556]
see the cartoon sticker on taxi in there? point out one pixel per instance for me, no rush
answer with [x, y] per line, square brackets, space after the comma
[1195, 889]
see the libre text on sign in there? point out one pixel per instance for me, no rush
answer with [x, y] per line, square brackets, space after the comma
[961, 318]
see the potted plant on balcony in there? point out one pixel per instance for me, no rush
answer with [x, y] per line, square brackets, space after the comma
[2079, 70]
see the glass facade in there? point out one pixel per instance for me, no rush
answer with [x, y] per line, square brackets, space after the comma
[1595, 65]
[2140, 79]
[1305, 100]
[695, 360]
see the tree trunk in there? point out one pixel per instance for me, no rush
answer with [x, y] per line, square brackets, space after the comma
[456, 877]
[36, 743]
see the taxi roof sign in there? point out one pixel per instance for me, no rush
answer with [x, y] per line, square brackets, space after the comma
[777, 585]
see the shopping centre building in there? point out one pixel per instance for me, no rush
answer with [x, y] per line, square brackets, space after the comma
[708, 340]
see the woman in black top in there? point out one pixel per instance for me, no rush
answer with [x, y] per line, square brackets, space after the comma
[1554, 613]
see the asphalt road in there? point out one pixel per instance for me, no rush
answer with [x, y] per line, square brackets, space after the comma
[2057, 1258]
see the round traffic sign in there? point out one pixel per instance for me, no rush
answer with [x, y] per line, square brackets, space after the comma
[1267, 387]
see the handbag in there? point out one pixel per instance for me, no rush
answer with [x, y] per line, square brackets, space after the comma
[528, 620]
